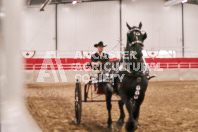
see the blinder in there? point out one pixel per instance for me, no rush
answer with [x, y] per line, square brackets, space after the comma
[137, 32]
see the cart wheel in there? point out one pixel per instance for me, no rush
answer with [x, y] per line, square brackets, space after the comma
[78, 102]
[85, 93]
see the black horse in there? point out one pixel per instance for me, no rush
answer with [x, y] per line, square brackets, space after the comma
[133, 85]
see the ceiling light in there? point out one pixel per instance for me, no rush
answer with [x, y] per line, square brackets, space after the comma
[184, 1]
[74, 2]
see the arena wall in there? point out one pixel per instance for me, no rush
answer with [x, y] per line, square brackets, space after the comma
[165, 75]
[37, 29]
[190, 30]
[68, 69]
[162, 24]
[82, 25]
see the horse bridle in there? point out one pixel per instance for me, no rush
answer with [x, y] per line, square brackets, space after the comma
[136, 41]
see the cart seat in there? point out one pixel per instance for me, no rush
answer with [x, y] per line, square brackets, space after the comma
[100, 89]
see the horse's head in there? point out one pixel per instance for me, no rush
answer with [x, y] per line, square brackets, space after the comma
[135, 39]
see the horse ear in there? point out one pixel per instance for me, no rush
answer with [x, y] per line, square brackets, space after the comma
[144, 36]
[129, 27]
[140, 25]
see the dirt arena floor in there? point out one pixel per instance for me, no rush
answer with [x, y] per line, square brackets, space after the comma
[168, 107]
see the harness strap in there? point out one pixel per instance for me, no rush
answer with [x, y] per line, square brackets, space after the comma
[135, 29]
[136, 42]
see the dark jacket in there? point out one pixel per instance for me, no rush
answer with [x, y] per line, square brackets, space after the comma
[103, 59]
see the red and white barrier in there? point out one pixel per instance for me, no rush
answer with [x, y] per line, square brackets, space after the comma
[66, 69]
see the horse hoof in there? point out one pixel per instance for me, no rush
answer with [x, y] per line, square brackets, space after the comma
[120, 123]
[110, 128]
[131, 126]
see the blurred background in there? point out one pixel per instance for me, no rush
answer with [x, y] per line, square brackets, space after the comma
[40, 39]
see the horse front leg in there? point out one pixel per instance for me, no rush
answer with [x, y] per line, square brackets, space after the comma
[136, 106]
[131, 125]
[136, 110]
[109, 106]
[120, 122]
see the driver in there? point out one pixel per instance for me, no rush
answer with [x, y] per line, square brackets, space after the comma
[99, 58]
[98, 61]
